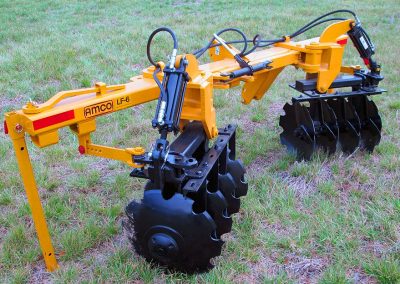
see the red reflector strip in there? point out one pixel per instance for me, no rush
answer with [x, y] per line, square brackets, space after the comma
[342, 42]
[54, 119]
[5, 127]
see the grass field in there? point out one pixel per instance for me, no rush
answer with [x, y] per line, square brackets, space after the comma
[332, 220]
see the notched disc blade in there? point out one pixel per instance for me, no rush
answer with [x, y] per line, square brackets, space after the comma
[237, 171]
[348, 124]
[227, 187]
[325, 123]
[371, 123]
[217, 207]
[170, 233]
[298, 131]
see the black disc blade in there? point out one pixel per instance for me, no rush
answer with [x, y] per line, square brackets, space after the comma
[170, 233]
[237, 171]
[348, 124]
[227, 187]
[298, 131]
[371, 123]
[325, 123]
[217, 208]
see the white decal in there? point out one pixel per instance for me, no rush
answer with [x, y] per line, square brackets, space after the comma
[364, 43]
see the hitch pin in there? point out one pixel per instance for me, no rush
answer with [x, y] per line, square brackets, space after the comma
[223, 43]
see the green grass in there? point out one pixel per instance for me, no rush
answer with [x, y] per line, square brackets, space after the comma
[332, 220]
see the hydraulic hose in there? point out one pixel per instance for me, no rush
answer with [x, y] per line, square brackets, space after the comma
[201, 51]
[149, 41]
[258, 42]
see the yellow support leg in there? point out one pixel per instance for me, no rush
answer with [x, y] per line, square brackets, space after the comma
[32, 194]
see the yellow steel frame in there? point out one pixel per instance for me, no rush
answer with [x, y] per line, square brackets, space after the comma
[78, 109]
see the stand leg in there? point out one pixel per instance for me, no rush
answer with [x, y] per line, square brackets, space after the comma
[32, 195]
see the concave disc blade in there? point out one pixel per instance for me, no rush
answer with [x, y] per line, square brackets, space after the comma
[227, 186]
[371, 123]
[325, 123]
[237, 171]
[167, 231]
[217, 208]
[348, 123]
[298, 131]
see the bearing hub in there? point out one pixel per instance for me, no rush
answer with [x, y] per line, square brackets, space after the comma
[163, 247]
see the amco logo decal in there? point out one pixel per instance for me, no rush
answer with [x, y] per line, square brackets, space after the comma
[98, 109]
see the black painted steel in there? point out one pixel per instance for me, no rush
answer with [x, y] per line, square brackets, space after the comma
[191, 140]
[237, 171]
[345, 118]
[168, 232]
[216, 202]
[371, 123]
[228, 186]
[217, 207]
[180, 224]
[348, 123]
[308, 96]
[339, 82]
[298, 131]
[325, 125]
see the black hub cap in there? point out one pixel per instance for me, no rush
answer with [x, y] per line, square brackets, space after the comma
[163, 247]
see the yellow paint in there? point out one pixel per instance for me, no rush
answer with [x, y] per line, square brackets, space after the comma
[32, 194]
[99, 89]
